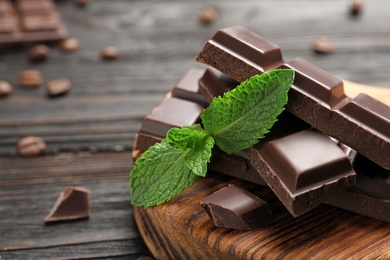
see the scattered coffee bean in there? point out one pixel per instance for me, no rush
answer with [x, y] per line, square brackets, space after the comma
[70, 45]
[109, 53]
[81, 2]
[5, 88]
[323, 46]
[39, 52]
[356, 7]
[31, 146]
[208, 15]
[58, 87]
[30, 78]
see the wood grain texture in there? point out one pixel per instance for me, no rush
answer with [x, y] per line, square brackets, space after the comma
[181, 229]
[158, 41]
[29, 189]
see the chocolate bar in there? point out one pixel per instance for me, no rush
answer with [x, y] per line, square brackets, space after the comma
[370, 195]
[303, 168]
[317, 97]
[235, 208]
[30, 21]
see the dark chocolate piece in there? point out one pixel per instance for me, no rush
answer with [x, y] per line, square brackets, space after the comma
[170, 112]
[235, 208]
[316, 96]
[302, 169]
[188, 87]
[370, 195]
[239, 52]
[214, 83]
[30, 21]
[73, 203]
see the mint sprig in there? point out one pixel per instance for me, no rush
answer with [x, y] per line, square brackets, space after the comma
[245, 114]
[234, 122]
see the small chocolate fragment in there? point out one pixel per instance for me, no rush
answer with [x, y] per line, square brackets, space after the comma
[109, 53]
[5, 88]
[188, 87]
[31, 146]
[73, 203]
[208, 15]
[322, 46]
[303, 169]
[69, 45]
[356, 7]
[30, 78]
[58, 87]
[235, 208]
[39, 52]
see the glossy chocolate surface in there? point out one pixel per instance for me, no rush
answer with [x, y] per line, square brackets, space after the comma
[214, 83]
[171, 112]
[316, 96]
[235, 208]
[188, 87]
[30, 21]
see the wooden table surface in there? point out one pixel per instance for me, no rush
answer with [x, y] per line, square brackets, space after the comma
[90, 131]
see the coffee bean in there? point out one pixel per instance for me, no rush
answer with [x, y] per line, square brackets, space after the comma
[81, 2]
[38, 53]
[356, 7]
[30, 78]
[69, 45]
[58, 87]
[109, 53]
[208, 15]
[322, 46]
[31, 146]
[5, 88]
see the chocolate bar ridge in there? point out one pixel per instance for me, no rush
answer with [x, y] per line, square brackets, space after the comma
[316, 96]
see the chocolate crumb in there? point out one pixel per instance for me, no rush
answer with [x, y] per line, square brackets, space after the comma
[30, 78]
[58, 87]
[38, 53]
[109, 53]
[322, 46]
[208, 15]
[356, 7]
[31, 146]
[5, 88]
[69, 45]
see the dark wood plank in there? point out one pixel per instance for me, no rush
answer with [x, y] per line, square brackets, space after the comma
[158, 42]
[30, 187]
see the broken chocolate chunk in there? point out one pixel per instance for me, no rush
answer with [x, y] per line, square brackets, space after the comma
[73, 203]
[235, 208]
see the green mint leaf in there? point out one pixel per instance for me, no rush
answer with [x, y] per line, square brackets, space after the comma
[160, 174]
[200, 144]
[245, 114]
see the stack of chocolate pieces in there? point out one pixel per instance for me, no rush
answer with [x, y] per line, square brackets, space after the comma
[30, 21]
[325, 148]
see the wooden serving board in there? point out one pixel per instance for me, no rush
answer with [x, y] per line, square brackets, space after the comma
[181, 229]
